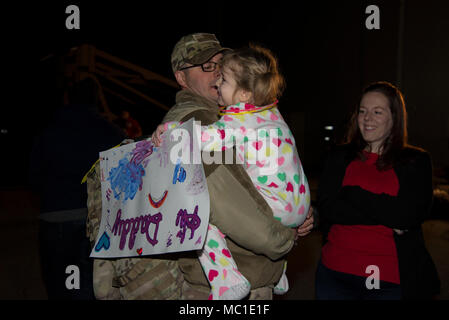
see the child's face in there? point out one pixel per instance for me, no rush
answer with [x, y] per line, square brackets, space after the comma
[228, 93]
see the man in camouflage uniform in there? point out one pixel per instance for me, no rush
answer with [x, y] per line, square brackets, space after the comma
[257, 241]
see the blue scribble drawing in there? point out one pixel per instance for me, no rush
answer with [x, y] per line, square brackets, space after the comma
[126, 178]
[180, 173]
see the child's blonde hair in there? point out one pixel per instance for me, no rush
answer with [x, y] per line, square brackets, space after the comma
[255, 69]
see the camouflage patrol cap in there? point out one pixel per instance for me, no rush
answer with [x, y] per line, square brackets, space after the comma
[196, 48]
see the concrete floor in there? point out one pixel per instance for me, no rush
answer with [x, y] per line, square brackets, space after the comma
[20, 271]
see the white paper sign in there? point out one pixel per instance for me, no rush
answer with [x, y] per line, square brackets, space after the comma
[152, 202]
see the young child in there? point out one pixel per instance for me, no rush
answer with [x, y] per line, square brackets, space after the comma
[249, 87]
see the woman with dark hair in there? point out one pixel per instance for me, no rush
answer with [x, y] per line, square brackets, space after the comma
[374, 194]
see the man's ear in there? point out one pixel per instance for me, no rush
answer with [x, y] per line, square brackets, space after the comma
[181, 78]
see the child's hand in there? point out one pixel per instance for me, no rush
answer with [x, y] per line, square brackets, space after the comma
[156, 136]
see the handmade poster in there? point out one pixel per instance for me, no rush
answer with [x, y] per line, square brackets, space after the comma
[154, 200]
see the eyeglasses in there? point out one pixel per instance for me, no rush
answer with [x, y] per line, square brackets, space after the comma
[209, 66]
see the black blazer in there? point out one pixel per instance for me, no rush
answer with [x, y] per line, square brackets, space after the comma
[352, 205]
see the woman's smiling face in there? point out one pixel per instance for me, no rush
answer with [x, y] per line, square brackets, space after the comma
[374, 119]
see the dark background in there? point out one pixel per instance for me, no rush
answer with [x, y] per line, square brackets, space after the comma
[325, 51]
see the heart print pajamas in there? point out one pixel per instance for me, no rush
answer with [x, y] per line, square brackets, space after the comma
[266, 148]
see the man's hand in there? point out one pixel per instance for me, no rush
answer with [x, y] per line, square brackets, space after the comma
[307, 225]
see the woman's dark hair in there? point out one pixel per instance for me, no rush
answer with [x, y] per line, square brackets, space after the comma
[397, 139]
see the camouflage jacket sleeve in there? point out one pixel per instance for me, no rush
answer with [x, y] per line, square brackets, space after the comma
[93, 204]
